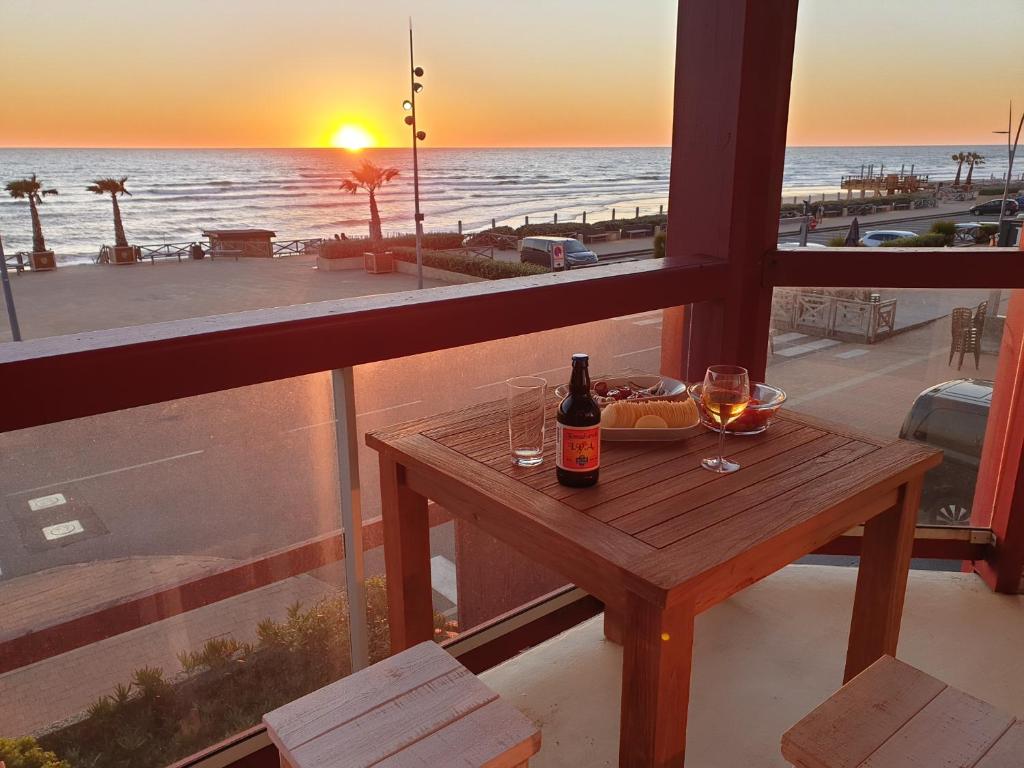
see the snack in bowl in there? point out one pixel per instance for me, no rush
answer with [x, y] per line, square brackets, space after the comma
[765, 401]
[650, 414]
[634, 387]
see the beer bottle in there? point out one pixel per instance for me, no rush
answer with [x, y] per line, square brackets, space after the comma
[578, 430]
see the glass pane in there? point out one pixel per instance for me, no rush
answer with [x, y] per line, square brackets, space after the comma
[220, 513]
[918, 364]
[475, 577]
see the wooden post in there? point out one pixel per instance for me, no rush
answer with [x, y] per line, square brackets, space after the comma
[728, 138]
[882, 582]
[584, 217]
[661, 210]
[407, 559]
[527, 221]
[493, 225]
[556, 217]
[637, 215]
[656, 662]
[460, 226]
[613, 214]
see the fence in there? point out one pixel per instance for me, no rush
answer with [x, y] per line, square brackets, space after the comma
[834, 316]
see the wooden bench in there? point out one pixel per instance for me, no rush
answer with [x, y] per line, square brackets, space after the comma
[629, 234]
[595, 236]
[895, 716]
[417, 708]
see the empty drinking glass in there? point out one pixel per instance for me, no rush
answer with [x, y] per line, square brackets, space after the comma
[526, 400]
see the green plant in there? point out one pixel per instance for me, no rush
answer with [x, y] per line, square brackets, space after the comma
[26, 753]
[356, 247]
[959, 158]
[973, 159]
[370, 177]
[837, 242]
[478, 267]
[984, 233]
[113, 187]
[998, 191]
[930, 240]
[945, 228]
[151, 722]
[660, 244]
[31, 189]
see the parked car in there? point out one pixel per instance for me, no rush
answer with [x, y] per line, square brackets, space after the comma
[540, 250]
[950, 416]
[875, 237]
[993, 206]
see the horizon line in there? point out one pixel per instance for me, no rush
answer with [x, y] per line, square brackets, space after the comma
[478, 147]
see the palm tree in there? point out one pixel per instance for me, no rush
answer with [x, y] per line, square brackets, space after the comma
[959, 158]
[113, 187]
[371, 178]
[973, 158]
[31, 189]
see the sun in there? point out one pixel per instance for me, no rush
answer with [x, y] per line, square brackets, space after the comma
[351, 137]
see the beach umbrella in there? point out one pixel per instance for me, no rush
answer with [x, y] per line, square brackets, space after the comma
[853, 236]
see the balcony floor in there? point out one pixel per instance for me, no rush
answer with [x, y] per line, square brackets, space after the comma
[762, 660]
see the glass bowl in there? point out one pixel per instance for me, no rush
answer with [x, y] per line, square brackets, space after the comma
[765, 401]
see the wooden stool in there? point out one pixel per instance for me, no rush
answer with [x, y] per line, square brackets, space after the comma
[895, 716]
[417, 708]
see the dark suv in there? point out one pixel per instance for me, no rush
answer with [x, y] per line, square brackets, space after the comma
[950, 416]
[992, 206]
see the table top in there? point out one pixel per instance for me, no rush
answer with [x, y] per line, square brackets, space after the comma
[658, 525]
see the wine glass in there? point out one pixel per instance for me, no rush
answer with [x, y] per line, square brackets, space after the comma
[725, 395]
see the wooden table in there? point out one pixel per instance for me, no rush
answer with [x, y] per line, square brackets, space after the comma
[658, 539]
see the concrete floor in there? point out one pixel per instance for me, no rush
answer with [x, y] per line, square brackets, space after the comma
[762, 660]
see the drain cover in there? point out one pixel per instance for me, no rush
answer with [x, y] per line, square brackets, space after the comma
[60, 530]
[45, 502]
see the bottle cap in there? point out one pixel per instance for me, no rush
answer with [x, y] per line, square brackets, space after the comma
[580, 357]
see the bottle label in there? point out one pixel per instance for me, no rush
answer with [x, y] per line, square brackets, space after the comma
[577, 449]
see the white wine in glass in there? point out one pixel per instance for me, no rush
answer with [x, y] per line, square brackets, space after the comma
[724, 395]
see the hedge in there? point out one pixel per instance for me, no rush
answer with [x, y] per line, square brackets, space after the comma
[998, 191]
[930, 240]
[486, 268]
[343, 249]
[985, 232]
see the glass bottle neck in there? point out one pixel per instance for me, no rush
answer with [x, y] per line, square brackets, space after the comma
[579, 384]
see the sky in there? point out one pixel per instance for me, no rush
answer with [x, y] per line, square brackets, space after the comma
[263, 73]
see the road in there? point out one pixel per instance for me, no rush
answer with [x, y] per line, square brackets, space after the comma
[917, 225]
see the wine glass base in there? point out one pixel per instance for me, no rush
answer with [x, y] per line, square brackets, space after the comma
[722, 466]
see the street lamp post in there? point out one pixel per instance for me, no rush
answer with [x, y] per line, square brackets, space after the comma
[1011, 150]
[12, 314]
[417, 136]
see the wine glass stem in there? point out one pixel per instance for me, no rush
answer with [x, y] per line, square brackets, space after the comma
[721, 445]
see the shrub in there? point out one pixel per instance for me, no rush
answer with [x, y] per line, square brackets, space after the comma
[151, 722]
[343, 249]
[467, 265]
[930, 240]
[26, 753]
[836, 242]
[984, 233]
[654, 219]
[562, 229]
[1015, 186]
[944, 228]
[659, 244]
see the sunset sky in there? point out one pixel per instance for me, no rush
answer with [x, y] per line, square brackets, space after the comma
[261, 73]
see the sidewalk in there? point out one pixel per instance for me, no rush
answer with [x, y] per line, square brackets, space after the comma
[87, 297]
[943, 209]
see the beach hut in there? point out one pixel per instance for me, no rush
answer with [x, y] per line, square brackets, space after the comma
[241, 242]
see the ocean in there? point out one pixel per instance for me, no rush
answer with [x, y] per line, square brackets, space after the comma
[177, 193]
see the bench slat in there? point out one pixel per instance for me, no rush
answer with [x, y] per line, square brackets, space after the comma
[495, 736]
[297, 722]
[397, 724]
[954, 731]
[1008, 752]
[857, 720]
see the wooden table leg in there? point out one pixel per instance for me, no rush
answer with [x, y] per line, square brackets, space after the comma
[655, 684]
[612, 625]
[882, 582]
[407, 559]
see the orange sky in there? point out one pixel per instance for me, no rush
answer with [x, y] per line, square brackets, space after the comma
[526, 73]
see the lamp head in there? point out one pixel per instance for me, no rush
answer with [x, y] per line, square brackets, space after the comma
[417, 87]
[418, 71]
[409, 120]
[406, 105]
[421, 135]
